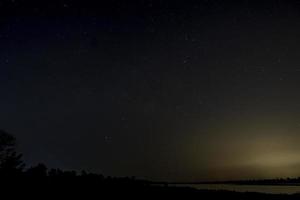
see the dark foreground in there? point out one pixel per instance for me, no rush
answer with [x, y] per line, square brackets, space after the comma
[93, 188]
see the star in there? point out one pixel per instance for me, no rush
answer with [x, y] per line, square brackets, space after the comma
[107, 138]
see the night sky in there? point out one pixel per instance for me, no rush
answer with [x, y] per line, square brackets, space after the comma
[163, 90]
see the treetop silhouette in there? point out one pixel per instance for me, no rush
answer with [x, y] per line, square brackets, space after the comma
[10, 161]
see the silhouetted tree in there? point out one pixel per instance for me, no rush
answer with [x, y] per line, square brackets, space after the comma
[10, 161]
[55, 173]
[38, 171]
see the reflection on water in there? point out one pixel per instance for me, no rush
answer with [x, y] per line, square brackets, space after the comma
[270, 189]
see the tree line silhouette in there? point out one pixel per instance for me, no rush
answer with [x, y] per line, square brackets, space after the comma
[11, 163]
[15, 176]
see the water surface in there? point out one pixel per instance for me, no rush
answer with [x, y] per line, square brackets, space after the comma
[270, 189]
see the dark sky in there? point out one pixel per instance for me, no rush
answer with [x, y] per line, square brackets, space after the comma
[166, 90]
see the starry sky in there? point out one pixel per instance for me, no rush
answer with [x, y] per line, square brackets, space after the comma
[164, 90]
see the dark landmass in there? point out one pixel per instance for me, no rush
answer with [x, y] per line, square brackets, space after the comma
[281, 181]
[17, 179]
[278, 182]
[96, 186]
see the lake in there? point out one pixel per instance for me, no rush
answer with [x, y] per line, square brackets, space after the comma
[270, 189]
